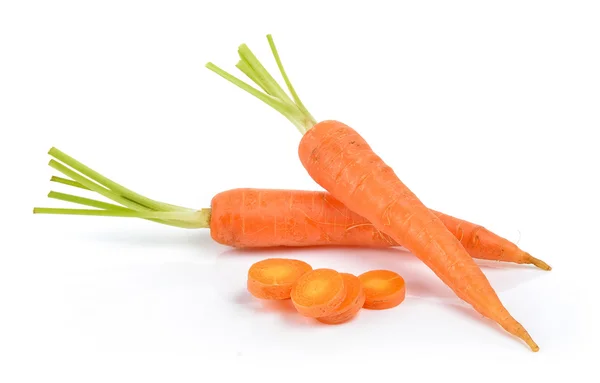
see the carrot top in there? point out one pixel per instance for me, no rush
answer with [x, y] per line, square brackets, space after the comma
[272, 93]
[130, 203]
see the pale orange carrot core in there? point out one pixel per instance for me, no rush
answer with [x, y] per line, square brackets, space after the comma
[318, 293]
[273, 278]
[384, 289]
[351, 305]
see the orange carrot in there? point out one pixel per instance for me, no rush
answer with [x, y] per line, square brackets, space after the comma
[343, 163]
[352, 303]
[318, 293]
[247, 218]
[483, 244]
[273, 278]
[384, 289]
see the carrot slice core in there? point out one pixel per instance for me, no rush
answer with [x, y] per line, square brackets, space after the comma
[318, 293]
[384, 289]
[273, 278]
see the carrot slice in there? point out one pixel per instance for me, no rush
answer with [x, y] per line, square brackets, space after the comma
[351, 305]
[273, 278]
[384, 289]
[318, 293]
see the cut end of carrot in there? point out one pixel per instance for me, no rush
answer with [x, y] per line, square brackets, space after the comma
[273, 278]
[538, 262]
[384, 289]
[318, 293]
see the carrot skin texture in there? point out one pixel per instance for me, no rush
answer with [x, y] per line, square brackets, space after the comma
[248, 218]
[343, 163]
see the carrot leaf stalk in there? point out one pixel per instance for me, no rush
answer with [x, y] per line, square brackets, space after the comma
[272, 93]
[129, 203]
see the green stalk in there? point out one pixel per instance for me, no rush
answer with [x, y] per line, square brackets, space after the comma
[273, 94]
[66, 181]
[99, 178]
[130, 204]
[110, 206]
[85, 201]
[164, 215]
[288, 83]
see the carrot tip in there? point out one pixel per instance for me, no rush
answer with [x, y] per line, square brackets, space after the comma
[538, 262]
[534, 347]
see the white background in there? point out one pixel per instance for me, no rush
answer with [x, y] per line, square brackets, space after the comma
[487, 110]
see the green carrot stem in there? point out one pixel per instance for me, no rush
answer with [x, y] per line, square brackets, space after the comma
[273, 88]
[84, 201]
[247, 70]
[164, 215]
[273, 94]
[67, 181]
[95, 187]
[109, 206]
[288, 82]
[133, 204]
[115, 187]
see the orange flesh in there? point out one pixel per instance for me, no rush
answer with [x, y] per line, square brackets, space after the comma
[351, 305]
[318, 293]
[273, 278]
[384, 289]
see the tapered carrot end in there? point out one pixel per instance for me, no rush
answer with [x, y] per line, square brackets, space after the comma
[538, 262]
[524, 335]
[534, 347]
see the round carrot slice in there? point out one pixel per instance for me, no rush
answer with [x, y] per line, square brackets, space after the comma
[351, 305]
[273, 278]
[318, 293]
[384, 289]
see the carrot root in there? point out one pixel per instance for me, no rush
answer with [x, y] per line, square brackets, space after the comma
[538, 262]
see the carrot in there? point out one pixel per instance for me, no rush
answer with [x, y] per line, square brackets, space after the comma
[318, 293]
[273, 278]
[384, 289]
[341, 161]
[352, 303]
[248, 218]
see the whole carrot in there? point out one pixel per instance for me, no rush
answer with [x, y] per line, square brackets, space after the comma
[250, 218]
[340, 160]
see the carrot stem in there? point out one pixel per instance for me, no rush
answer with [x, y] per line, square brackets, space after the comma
[272, 94]
[288, 82]
[99, 178]
[131, 204]
[166, 215]
[84, 201]
[66, 181]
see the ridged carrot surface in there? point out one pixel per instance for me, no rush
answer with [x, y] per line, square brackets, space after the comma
[340, 160]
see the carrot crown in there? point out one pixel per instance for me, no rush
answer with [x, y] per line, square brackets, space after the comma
[272, 93]
[130, 203]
